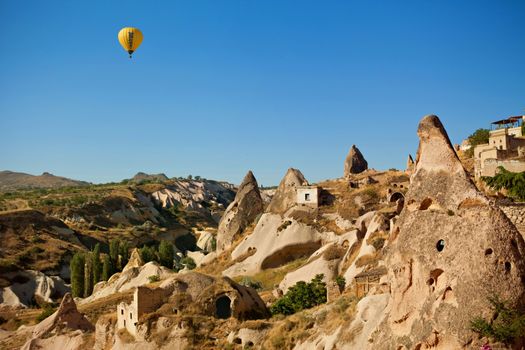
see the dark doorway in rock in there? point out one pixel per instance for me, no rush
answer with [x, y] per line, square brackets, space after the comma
[222, 307]
[440, 245]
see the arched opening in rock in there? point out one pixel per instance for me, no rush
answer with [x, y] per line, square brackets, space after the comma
[440, 245]
[507, 266]
[488, 251]
[513, 242]
[237, 341]
[427, 202]
[249, 344]
[395, 196]
[222, 307]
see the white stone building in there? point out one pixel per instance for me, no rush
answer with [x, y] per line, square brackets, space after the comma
[308, 195]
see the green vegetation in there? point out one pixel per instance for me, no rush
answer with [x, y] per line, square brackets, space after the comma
[188, 262]
[77, 274]
[88, 275]
[166, 254]
[341, 282]
[47, 311]
[249, 282]
[97, 264]
[301, 296]
[514, 183]
[153, 278]
[106, 268]
[479, 137]
[506, 326]
[147, 254]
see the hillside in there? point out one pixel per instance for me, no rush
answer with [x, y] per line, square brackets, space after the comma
[10, 180]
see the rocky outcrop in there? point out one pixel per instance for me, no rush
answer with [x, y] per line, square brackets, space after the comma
[141, 177]
[126, 280]
[134, 261]
[207, 241]
[49, 333]
[28, 286]
[274, 241]
[452, 245]
[410, 164]
[246, 206]
[285, 195]
[355, 163]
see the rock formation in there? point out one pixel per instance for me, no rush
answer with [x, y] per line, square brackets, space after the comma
[355, 163]
[452, 251]
[246, 206]
[410, 164]
[134, 260]
[285, 196]
[48, 334]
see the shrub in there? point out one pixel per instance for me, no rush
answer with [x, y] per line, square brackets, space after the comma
[284, 225]
[301, 296]
[248, 282]
[147, 254]
[341, 282]
[46, 312]
[166, 254]
[188, 262]
[153, 278]
[333, 252]
[507, 325]
[514, 183]
[213, 244]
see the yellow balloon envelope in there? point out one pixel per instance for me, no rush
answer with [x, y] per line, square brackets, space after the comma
[130, 39]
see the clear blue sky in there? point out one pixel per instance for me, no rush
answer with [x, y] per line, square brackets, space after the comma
[220, 87]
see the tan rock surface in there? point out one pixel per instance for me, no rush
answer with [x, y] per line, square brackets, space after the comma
[452, 252]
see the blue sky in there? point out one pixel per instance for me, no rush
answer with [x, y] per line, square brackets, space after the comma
[220, 87]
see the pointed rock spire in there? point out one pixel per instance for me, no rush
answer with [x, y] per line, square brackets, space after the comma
[134, 260]
[246, 206]
[355, 163]
[410, 164]
[285, 195]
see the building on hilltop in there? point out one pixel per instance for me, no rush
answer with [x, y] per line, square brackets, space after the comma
[506, 148]
[308, 195]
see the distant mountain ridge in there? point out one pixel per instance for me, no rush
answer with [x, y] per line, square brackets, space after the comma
[10, 180]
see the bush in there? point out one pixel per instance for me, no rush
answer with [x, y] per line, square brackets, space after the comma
[301, 296]
[248, 282]
[188, 262]
[166, 254]
[514, 183]
[46, 312]
[341, 282]
[153, 278]
[147, 254]
[507, 325]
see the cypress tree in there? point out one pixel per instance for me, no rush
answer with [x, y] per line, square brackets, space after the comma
[124, 253]
[97, 264]
[77, 274]
[114, 252]
[88, 276]
[166, 254]
[107, 269]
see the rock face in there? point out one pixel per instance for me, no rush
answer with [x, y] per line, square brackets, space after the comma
[355, 163]
[452, 251]
[285, 196]
[48, 334]
[134, 260]
[29, 285]
[410, 164]
[246, 206]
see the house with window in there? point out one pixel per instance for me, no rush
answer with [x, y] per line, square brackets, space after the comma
[506, 148]
[308, 196]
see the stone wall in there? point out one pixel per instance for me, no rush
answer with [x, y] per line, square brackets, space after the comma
[308, 195]
[491, 165]
[515, 212]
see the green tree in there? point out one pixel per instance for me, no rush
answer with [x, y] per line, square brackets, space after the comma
[301, 296]
[107, 269]
[96, 263]
[166, 254]
[124, 253]
[147, 254]
[114, 253]
[479, 137]
[76, 267]
[88, 276]
[514, 183]
[188, 262]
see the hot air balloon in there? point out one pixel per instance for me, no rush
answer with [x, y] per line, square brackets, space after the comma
[130, 39]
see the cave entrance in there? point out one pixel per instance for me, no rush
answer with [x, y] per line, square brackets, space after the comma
[222, 307]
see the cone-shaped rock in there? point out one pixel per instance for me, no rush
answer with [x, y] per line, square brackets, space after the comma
[246, 206]
[452, 251]
[134, 260]
[67, 316]
[285, 195]
[355, 163]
